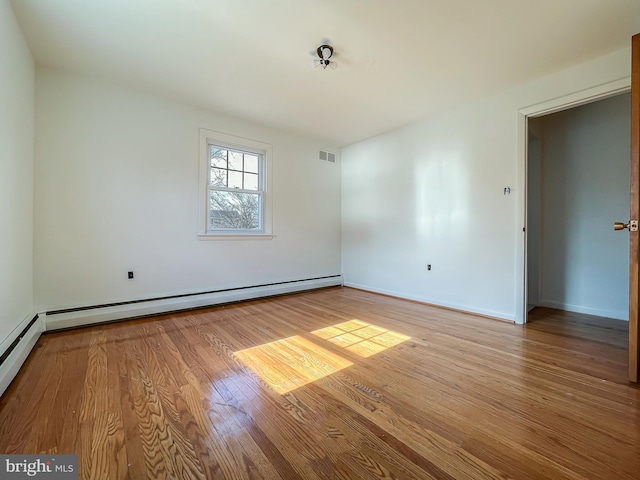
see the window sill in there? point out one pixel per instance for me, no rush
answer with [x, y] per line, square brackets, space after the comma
[235, 236]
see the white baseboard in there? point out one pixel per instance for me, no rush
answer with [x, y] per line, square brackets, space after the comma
[11, 365]
[437, 303]
[56, 321]
[598, 312]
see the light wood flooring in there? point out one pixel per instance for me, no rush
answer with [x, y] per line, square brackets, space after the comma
[335, 384]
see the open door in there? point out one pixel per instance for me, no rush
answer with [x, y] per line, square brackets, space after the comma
[634, 257]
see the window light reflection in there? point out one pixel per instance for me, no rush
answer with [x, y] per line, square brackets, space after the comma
[360, 337]
[290, 363]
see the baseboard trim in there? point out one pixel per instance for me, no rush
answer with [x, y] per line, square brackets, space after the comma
[17, 346]
[95, 314]
[615, 314]
[491, 315]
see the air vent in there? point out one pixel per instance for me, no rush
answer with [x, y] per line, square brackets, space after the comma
[327, 156]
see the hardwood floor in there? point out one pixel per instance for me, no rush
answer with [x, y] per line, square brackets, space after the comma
[407, 391]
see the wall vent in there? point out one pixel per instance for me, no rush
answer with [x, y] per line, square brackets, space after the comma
[327, 156]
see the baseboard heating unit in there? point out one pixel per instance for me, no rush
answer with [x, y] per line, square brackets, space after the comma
[93, 314]
[15, 349]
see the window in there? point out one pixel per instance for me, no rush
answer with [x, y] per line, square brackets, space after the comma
[234, 186]
[235, 189]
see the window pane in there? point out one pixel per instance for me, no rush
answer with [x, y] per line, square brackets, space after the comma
[235, 179]
[218, 157]
[235, 161]
[218, 177]
[234, 210]
[250, 163]
[250, 181]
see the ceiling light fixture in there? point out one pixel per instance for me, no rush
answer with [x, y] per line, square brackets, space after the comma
[325, 52]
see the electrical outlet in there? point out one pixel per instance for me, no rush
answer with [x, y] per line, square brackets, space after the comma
[429, 267]
[130, 275]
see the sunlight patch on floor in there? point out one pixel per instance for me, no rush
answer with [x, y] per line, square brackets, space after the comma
[290, 363]
[360, 337]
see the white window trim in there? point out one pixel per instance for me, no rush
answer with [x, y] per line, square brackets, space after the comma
[224, 140]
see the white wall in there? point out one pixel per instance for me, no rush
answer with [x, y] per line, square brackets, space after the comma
[116, 179]
[585, 188]
[432, 192]
[17, 75]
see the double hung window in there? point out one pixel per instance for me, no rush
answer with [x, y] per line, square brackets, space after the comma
[235, 186]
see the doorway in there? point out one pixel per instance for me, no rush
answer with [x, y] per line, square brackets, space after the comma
[577, 184]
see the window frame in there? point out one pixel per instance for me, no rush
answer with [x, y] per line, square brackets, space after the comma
[243, 145]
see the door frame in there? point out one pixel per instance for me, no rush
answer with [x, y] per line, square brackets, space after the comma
[565, 102]
[634, 241]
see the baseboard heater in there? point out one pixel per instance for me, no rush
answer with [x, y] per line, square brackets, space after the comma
[16, 348]
[108, 312]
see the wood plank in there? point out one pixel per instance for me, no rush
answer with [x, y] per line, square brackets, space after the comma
[186, 396]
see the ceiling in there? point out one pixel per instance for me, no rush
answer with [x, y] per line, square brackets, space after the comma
[399, 60]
